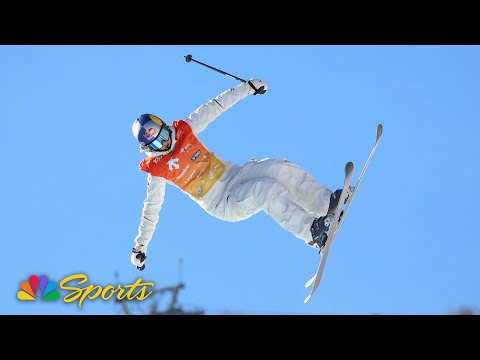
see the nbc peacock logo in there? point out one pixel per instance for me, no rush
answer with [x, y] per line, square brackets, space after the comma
[46, 289]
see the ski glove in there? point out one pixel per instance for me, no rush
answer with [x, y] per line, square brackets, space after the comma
[139, 254]
[257, 87]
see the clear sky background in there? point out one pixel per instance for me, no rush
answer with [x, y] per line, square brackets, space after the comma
[72, 194]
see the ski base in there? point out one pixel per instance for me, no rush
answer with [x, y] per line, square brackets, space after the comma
[315, 279]
[332, 230]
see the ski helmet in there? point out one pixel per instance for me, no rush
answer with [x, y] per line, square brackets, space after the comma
[150, 130]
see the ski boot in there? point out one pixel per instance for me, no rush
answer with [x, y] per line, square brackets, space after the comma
[321, 225]
[319, 230]
[335, 197]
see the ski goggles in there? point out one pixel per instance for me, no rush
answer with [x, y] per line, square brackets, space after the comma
[163, 135]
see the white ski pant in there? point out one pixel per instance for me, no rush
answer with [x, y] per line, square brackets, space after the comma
[282, 190]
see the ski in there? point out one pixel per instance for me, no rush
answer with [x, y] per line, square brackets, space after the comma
[332, 229]
[379, 135]
[343, 213]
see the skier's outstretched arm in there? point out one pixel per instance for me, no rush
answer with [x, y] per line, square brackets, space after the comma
[150, 214]
[206, 113]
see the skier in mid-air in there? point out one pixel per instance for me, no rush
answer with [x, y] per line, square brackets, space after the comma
[222, 188]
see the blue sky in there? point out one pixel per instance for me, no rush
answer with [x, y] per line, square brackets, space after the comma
[72, 193]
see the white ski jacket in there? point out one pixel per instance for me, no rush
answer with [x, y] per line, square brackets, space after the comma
[198, 121]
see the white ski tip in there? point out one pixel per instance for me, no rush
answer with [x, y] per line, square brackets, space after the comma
[379, 131]
[349, 167]
[310, 282]
[307, 298]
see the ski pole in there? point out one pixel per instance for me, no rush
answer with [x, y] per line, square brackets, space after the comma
[189, 58]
